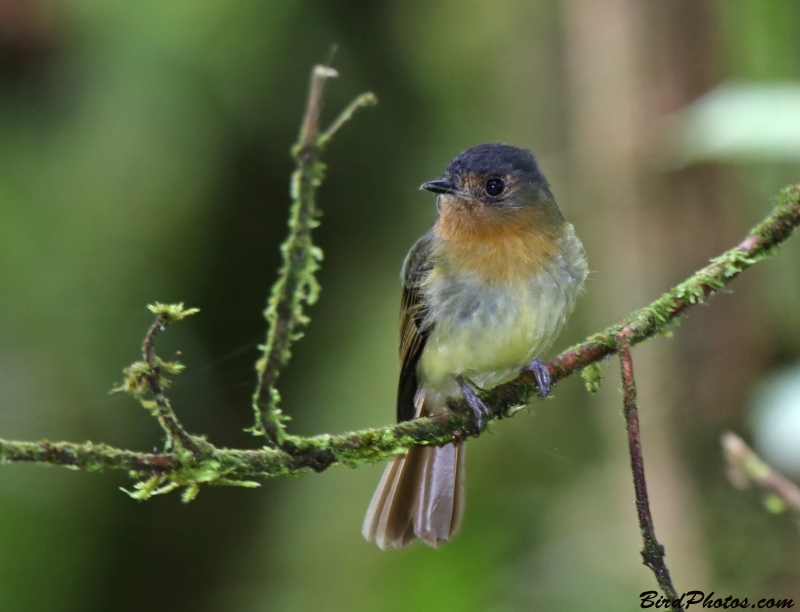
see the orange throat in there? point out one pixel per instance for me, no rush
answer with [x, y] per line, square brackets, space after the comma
[496, 245]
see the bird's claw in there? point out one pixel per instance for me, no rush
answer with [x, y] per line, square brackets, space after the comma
[542, 375]
[479, 409]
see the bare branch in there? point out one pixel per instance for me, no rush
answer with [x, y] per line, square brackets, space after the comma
[653, 551]
[310, 127]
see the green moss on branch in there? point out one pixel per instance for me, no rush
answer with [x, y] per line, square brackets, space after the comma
[296, 284]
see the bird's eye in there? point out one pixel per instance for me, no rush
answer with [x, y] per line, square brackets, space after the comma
[494, 187]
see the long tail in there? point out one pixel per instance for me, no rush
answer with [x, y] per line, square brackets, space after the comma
[421, 496]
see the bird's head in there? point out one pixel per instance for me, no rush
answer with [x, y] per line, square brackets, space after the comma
[491, 178]
[497, 215]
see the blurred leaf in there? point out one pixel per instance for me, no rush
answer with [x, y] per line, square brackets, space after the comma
[741, 122]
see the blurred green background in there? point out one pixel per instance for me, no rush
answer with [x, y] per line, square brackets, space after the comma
[144, 156]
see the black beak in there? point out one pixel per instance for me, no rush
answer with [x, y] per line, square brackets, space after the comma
[440, 186]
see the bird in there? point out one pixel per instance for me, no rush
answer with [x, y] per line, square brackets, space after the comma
[485, 293]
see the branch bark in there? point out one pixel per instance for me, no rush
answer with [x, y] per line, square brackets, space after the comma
[653, 552]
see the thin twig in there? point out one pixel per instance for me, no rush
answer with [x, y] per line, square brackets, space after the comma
[653, 551]
[296, 282]
[362, 101]
[163, 411]
[745, 466]
[309, 130]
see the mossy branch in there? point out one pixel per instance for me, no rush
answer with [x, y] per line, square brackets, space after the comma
[146, 380]
[296, 284]
[189, 461]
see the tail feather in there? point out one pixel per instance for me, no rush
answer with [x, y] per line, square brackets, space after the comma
[421, 496]
[393, 521]
[387, 484]
[441, 503]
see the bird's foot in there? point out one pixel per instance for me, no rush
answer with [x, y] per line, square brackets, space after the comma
[479, 409]
[542, 375]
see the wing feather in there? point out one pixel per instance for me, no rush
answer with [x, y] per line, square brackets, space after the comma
[414, 330]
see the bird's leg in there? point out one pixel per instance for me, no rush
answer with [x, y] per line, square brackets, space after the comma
[542, 375]
[473, 401]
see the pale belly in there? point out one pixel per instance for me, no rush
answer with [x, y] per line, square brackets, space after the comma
[488, 331]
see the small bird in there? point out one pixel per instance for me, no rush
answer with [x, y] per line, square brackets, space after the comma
[485, 293]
